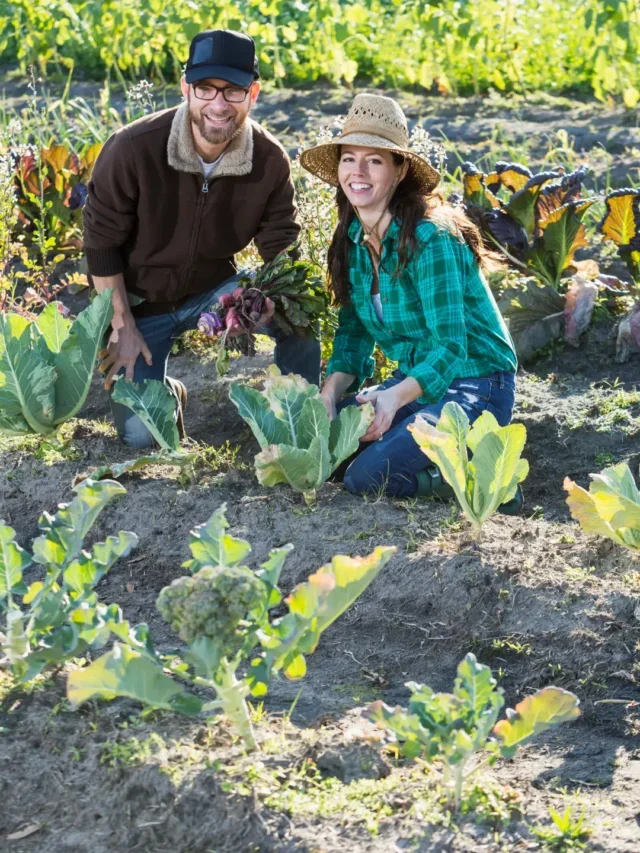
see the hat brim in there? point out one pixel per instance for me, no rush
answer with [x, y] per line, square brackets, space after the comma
[220, 72]
[322, 160]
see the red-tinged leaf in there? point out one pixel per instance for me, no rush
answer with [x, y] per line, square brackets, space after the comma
[56, 156]
[544, 709]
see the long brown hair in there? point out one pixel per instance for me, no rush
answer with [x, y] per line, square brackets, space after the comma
[409, 205]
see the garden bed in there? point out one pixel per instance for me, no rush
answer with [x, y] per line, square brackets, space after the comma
[536, 599]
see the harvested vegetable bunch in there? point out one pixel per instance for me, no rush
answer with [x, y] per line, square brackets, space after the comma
[297, 292]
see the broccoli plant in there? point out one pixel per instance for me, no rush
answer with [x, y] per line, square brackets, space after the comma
[452, 728]
[46, 365]
[610, 508]
[481, 485]
[300, 445]
[59, 616]
[221, 613]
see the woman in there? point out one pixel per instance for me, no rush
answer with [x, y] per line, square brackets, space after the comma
[405, 269]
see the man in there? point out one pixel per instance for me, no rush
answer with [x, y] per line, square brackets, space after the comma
[173, 197]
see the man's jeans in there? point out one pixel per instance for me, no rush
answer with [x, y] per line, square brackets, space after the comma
[292, 354]
[391, 463]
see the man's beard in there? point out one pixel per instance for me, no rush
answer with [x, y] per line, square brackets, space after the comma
[216, 135]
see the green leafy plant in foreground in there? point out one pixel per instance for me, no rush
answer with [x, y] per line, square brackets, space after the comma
[221, 612]
[59, 617]
[452, 728]
[155, 405]
[610, 508]
[46, 365]
[300, 445]
[488, 480]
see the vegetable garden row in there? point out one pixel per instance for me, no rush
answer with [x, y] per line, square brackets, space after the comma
[448, 47]
[237, 630]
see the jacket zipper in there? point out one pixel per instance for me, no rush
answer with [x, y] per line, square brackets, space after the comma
[195, 232]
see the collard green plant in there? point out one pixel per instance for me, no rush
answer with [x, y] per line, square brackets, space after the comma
[611, 507]
[221, 612]
[155, 405]
[621, 225]
[452, 728]
[59, 617]
[46, 365]
[491, 477]
[300, 445]
[536, 220]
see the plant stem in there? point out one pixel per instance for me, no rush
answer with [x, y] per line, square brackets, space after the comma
[310, 498]
[232, 695]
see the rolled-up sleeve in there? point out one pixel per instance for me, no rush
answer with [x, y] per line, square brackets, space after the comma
[437, 272]
[352, 348]
[110, 210]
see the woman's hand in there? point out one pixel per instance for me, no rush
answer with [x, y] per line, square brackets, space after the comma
[386, 403]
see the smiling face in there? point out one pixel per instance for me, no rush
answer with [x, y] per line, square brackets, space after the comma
[367, 175]
[217, 121]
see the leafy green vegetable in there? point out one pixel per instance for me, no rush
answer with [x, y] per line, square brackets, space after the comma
[60, 616]
[118, 469]
[610, 508]
[491, 478]
[154, 404]
[221, 611]
[46, 366]
[452, 727]
[300, 446]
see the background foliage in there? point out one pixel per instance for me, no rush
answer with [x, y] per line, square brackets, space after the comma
[448, 46]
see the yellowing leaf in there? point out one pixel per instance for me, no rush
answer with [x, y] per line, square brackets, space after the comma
[621, 222]
[544, 709]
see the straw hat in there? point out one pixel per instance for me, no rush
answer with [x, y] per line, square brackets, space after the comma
[373, 122]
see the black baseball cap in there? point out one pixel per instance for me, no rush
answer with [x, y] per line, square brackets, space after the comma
[223, 54]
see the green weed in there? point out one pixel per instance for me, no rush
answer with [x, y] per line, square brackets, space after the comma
[569, 832]
[130, 752]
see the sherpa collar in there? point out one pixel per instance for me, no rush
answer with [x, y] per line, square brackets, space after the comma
[238, 155]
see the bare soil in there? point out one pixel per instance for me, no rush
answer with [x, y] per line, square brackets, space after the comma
[537, 600]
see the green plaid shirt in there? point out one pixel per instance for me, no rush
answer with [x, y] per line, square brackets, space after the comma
[440, 320]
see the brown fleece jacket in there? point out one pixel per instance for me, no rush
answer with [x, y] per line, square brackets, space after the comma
[151, 215]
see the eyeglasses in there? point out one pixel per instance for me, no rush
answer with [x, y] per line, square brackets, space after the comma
[209, 92]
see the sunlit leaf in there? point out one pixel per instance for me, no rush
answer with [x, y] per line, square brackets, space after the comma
[543, 710]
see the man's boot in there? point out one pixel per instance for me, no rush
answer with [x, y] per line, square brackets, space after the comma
[179, 391]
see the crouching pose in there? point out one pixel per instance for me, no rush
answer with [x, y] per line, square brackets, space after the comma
[173, 197]
[405, 269]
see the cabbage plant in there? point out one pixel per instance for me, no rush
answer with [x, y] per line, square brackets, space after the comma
[610, 508]
[491, 477]
[46, 365]
[220, 611]
[451, 728]
[300, 445]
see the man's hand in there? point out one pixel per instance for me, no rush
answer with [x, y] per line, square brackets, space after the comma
[329, 402]
[386, 404]
[123, 348]
[268, 310]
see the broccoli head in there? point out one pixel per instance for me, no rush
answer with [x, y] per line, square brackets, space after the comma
[211, 603]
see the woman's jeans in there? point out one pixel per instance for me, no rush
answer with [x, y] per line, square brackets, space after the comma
[292, 354]
[390, 464]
